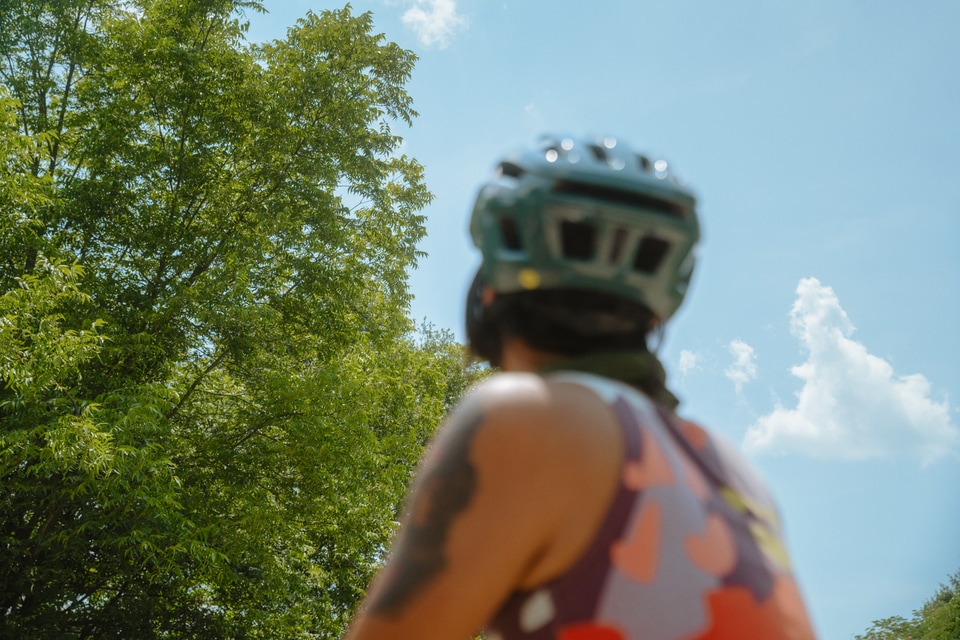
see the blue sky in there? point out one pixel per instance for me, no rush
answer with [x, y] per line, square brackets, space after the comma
[823, 140]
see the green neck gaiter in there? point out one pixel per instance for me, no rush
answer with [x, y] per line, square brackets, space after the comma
[641, 369]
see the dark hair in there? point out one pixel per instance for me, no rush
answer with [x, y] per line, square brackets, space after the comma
[567, 322]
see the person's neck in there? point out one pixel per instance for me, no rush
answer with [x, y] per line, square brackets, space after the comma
[518, 356]
[640, 369]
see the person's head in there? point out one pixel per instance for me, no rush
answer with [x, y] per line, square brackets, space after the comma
[587, 246]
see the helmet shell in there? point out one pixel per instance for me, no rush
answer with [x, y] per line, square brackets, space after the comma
[582, 213]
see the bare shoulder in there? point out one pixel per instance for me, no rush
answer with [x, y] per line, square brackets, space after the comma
[520, 427]
[549, 452]
[516, 406]
[508, 496]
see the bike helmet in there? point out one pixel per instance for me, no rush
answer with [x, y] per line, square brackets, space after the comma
[591, 215]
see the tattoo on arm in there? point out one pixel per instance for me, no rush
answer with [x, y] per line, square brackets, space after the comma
[443, 493]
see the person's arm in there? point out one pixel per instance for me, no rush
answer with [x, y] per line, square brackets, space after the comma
[489, 512]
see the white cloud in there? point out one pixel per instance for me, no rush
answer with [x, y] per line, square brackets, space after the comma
[689, 361]
[852, 404]
[744, 367]
[434, 21]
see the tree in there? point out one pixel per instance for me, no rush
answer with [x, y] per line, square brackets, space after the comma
[212, 396]
[937, 619]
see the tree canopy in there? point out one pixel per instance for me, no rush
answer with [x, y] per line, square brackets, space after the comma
[212, 394]
[937, 619]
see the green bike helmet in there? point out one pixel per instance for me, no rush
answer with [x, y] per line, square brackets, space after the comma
[590, 215]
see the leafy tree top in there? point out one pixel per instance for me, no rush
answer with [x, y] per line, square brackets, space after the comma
[212, 394]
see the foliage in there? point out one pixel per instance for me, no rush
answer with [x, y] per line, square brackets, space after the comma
[212, 394]
[937, 619]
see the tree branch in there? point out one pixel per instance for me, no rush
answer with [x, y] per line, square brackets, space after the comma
[193, 386]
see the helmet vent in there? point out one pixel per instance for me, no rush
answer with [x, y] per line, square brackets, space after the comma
[578, 240]
[620, 196]
[650, 254]
[598, 152]
[510, 170]
[510, 233]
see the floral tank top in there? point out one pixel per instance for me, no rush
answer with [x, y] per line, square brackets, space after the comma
[690, 549]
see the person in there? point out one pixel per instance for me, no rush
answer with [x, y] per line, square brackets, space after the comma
[563, 497]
